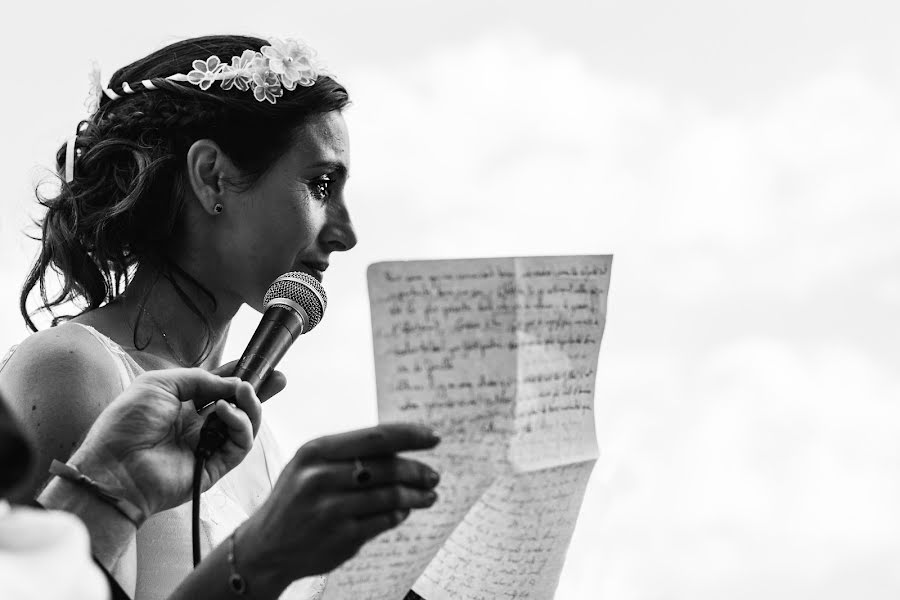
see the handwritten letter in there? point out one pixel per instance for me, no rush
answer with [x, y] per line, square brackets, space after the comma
[500, 357]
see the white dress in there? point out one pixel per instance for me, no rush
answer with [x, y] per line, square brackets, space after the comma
[164, 541]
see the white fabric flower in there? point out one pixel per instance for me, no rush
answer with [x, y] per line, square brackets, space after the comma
[267, 87]
[283, 65]
[292, 61]
[205, 72]
[240, 72]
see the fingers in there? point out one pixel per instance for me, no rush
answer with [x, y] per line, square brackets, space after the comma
[225, 370]
[246, 400]
[240, 428]
[204, 388]
[393, 484]
[384, 499]
[369, 527]
[343, 475]
[274, 383]
[382, 440]
[195, 384]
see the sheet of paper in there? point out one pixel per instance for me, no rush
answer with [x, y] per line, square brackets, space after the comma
[559, 326]
[499, 356]
[512, 544]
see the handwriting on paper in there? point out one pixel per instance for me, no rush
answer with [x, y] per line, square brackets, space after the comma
[512, 543]
[499, 356]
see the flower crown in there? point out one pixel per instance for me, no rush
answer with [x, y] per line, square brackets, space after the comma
[282, 65]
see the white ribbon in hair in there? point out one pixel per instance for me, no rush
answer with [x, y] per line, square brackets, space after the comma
[70, 157]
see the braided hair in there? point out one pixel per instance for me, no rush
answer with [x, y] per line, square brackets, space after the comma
[121, 209]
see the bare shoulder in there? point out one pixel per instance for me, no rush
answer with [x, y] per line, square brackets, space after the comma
[57, 382]
[68, 353]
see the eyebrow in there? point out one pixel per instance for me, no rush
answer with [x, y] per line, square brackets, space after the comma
[333, 166]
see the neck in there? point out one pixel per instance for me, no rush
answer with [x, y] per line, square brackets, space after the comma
[166, 322]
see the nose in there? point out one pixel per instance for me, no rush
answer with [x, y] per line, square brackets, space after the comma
[338, 234]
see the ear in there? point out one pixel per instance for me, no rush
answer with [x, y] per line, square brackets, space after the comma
[208, 169]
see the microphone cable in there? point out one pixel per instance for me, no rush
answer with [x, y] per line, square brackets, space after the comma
[199, 463]
[212, 436]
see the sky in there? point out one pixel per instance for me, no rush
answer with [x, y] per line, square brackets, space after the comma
[739, 160]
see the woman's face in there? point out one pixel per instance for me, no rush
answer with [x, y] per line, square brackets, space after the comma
[294, 216]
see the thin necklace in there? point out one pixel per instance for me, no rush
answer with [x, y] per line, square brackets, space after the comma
[178, 358]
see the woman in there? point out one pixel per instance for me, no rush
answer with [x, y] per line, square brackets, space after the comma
[209, 168]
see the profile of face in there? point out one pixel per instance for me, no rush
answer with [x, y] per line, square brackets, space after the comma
[291, 219]
[211, 187]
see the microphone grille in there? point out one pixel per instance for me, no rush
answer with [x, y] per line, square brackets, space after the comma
[302, 289]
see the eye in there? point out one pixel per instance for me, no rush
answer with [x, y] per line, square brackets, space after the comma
[320, 187]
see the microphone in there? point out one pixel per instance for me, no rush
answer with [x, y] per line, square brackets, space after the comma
[293, 305]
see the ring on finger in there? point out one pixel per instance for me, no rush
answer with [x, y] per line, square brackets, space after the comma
[361, 475]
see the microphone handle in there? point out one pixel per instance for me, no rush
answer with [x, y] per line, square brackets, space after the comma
[277, 330]
[275, 333]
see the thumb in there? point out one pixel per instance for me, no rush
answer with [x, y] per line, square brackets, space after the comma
[226, 369]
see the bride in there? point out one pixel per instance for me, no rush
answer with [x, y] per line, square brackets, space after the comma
[208, 168]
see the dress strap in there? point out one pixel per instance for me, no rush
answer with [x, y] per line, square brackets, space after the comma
[7, 356]
[125, 365]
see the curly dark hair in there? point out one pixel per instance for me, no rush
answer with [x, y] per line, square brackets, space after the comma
[122, 208]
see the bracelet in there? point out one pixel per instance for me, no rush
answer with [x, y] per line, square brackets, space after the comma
[72, 474]
[236, 581]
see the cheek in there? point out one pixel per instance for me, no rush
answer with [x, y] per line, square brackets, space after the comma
[280, 223]
[300, 226]
[313, 221]
[308, 217]
[261, 239]
[294, 228]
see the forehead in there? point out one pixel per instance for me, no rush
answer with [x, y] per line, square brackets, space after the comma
[322, 138]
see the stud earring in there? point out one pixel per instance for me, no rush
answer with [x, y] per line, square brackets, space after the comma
[218, 208]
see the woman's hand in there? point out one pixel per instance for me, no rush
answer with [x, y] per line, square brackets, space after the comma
[143, 442]
[337, 493]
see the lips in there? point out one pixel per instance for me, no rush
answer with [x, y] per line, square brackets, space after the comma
[315, 269]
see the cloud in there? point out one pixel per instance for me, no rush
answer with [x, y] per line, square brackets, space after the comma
[513, 145]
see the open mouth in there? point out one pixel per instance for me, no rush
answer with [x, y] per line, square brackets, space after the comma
[316, 270]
